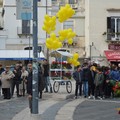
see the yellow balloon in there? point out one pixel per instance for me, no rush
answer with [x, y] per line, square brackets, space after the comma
[53, 18]
[78, 63]
[53, 28]
[69, 60]
[61, 38]
[44, 28]
[47, 17]
[52, 35]
[67, 6]
[76, 56]
[74, 61]
[70, 41]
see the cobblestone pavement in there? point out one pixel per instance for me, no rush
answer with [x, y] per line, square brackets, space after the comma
[9, 108]
[97, 110]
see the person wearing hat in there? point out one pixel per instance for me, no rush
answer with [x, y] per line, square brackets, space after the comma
[6, 77]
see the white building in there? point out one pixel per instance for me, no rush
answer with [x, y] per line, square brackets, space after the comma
[102, 28]
[16, 34]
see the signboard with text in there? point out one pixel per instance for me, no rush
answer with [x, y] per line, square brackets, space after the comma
[114, 46]
[24, 9]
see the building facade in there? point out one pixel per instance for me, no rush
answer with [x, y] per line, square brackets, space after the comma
[102, 28]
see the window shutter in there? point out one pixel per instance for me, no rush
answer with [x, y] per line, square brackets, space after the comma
[108, 24]
[108, 28]
[25, 27]
[71, 1]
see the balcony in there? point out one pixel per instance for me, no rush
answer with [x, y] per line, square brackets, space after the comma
[74, 44]
[112, 37]
[24, 31]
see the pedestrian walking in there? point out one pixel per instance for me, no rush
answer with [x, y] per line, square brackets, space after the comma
[77, 75]
[6, 79]
[46, 76]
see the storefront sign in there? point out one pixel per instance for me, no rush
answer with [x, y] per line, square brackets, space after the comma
[112, 55]
[114, 46]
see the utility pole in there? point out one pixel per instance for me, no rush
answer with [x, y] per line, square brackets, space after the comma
[35, 60]
[91, 50]
[46, 34]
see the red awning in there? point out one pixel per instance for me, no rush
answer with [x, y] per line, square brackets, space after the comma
[112, 55]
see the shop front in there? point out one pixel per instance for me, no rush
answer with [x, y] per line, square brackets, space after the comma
[113, 56]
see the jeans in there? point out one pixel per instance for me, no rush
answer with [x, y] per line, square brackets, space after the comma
[47, 83]
[78, 86]
[85, 88]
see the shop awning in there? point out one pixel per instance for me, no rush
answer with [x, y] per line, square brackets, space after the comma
[59, 54]
[112, 55]
[19, 55]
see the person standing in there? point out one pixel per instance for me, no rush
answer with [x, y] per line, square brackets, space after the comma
[86, 78]
[29, 85]
[91, 86]
[77, 75]
[41, 81]
[99, 79]
[16, 80]
[46, 76]
[6, 77]
[1, 70]
[22, 86]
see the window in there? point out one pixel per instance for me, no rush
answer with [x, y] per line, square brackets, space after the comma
[68, 24]
[73, 1]
[113, 28]
[25, 27]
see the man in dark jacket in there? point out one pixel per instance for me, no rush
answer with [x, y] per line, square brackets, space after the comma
[16, 79]
[46, 75]
[77, 75]
[86, 77]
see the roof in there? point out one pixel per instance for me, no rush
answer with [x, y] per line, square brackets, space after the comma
[59, 54]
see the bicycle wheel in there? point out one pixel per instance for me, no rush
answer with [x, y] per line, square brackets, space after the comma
[69, 87]
[56, 86]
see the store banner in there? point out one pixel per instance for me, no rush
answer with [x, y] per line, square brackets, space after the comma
[112, 55]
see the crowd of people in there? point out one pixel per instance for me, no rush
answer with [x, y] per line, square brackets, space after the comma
[93, 81]
[20, 76]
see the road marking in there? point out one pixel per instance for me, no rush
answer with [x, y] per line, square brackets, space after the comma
[67, 111]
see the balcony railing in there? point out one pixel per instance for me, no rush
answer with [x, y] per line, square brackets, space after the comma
[113, 36]
[24, 31]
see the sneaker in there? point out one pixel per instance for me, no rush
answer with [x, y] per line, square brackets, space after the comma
[100, 98]
[89, 97]
[75, 97]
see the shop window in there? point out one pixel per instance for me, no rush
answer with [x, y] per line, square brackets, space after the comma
[113, 28]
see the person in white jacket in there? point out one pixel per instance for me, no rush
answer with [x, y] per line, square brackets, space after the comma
[6, 79]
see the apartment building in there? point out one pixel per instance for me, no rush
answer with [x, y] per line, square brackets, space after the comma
[102, 28]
